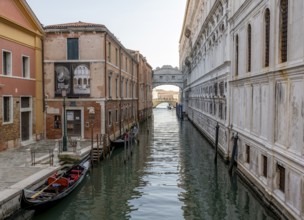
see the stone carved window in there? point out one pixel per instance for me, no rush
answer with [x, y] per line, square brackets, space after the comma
[264, 160]
[283, 29]
[236, 55]
[281, 177]
[249, 48]
[247, 154]
[267, 36]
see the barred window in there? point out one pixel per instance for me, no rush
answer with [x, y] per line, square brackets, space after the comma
[281, 176]
[264, 166]
[267, 36]
[249, 48]
[247, 154]
[284, 29]
[236, 55]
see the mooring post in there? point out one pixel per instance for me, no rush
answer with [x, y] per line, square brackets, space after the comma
[233, 152]
[125, 149]
[216, 141]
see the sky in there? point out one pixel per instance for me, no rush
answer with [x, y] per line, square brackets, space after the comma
[151, 26]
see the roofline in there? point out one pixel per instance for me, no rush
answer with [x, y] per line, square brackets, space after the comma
[33, 16]
[184, 22]
[97, 28]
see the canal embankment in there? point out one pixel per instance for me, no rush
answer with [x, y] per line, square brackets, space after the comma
[259, 192]
[26, 166]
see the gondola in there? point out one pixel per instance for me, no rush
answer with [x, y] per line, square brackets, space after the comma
[55, 187]
[120, 142]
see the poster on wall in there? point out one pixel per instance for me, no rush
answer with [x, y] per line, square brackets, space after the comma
[74, 77]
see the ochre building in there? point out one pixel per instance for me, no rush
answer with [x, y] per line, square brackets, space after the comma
[21, 78]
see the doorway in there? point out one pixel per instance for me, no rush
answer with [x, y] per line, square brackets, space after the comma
[73, 123]
[25, 126]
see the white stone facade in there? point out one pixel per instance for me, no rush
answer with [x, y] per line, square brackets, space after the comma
[259, 54]
[204, 61]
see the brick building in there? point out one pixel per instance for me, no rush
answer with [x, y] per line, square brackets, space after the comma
[97, 71]
[144, 88]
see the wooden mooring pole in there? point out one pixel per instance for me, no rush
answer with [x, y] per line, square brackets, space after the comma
[216, 141]
[233, 153]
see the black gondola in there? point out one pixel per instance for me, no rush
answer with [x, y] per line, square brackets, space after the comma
[120, 142]
[55, 188]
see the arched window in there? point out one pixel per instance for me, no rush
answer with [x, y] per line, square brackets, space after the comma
[237, 55]
[249, 48]
[267, 36]
[283, 29]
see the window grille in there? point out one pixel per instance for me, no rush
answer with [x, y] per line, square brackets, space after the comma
[237, 55]
[267, 36]
[284, 29]
[249, 48]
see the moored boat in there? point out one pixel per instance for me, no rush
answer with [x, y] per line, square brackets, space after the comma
[55, 187]
[120, 142]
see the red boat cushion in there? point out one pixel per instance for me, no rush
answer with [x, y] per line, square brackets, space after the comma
[62, 181]
[76, 171]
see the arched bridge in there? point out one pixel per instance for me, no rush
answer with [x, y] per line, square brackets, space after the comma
[171, 102]
[167, 75]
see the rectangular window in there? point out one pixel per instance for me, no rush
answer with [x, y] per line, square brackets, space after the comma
[126, 64]
[247, 154]
[281, 173]
[25, 67]
[7, 109]
[116, 57]
[110, 118]
[110, 87]
[237, 55]
[25, 102]
[109, 51]
[116, 87]
[73, 50]
[6, 63]
[264, 158]
[116, 115]
[284, 29]
[121, 89]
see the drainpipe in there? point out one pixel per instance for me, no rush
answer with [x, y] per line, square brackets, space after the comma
[138, 86]
[120, 88]
[43, 91]
[132, 87]
[105, 87]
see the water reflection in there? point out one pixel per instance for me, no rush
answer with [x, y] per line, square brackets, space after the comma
[171, 175]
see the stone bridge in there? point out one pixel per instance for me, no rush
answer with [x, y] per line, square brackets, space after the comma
[167, 75]
[172, 102]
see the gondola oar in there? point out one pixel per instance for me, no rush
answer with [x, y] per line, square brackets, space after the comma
[38, 193]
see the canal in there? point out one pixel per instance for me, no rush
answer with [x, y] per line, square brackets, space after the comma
[171, 175]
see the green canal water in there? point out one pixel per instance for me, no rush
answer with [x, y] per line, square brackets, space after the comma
[171, 175]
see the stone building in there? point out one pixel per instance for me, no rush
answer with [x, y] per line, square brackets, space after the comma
[205, 63]
[97, 71]
[264, 92]
[21, 78]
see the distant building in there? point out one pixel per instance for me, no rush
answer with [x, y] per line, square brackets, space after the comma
[243, 67]
[144, 89]
[98, 72]
[21, 78]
